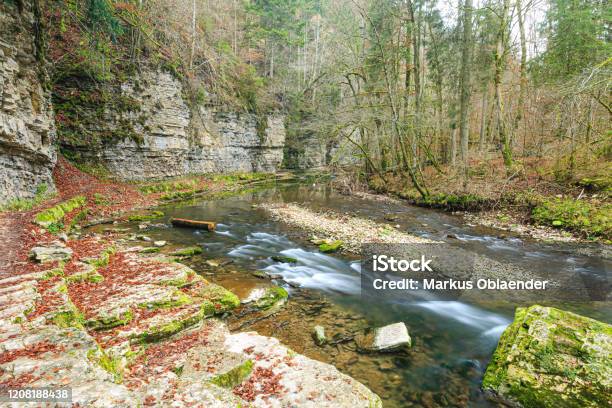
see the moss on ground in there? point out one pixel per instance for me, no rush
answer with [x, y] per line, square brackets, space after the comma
[146, 217]
[575, 215]
[55, 214]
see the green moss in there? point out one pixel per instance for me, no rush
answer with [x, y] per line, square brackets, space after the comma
[166, 330]
[334, 246]
[56, 213]
[104, 258]
[222, 299]
[22, 204]
[189, 251]
[146, 217]
[53, 273]
[108, 322]
[177, 298]
[550, 358]
[235, 376]
[284, 259]
[79, 217]
[71, 318]
[274, 295]
[150, 250]
[91, 276]
[575, 215]
[112, 365]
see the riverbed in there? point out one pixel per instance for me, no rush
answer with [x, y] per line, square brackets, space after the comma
[452, 340]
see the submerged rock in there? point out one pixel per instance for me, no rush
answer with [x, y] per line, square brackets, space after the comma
[318, 334]
[159, 244]
[54, 252]
[284, 259]
[393, 337]
[269, 298]
[189, 251]
[552, 358]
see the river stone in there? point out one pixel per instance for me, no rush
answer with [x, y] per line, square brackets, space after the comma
[159, 244]
[318, 334]
[388, 338]
[552, 358]
[51, 253]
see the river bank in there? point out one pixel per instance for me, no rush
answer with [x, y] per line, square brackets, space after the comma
[122, 324]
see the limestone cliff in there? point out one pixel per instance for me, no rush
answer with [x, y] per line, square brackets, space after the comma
[27, 130]
[146, 129]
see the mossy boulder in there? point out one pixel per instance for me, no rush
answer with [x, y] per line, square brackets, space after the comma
[552, 358]
[328, 247]
[222, 299]
[284, 259]
[273, 297]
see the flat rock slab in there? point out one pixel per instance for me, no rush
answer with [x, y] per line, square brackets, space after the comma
[51, 253]
[552, 358]
[388, 338]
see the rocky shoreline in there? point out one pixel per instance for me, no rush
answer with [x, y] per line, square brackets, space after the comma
[125, 325]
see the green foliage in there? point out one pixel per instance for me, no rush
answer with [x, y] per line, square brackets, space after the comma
[21, 204]
[578, 38]
[55, 214]
[575, 215]
[146, 217]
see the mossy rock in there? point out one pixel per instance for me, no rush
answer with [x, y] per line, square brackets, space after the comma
[146, 217]
[274, 296]
[189, 251]
[177, 298]
[150, 250]
[235, 376]
[108, 322]
[552, 358]
[284, 259]
[153, 334]
[329, 247]
[222, 299]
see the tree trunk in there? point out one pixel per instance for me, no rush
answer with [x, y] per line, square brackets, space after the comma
[466, 54]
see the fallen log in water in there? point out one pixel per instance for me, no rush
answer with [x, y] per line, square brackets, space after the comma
[182, 222]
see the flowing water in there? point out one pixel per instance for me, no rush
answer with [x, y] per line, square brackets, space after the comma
[452, 340]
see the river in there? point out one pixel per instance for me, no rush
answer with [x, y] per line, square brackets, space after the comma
[452, 340]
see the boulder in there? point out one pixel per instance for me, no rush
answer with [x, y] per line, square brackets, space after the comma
[552, 358]
[393, 337]
[51, 253]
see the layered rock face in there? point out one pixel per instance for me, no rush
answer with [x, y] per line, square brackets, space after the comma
[27, 129]
[171, 138]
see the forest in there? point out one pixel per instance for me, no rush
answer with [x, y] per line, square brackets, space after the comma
[450, 104]
[306, 203]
